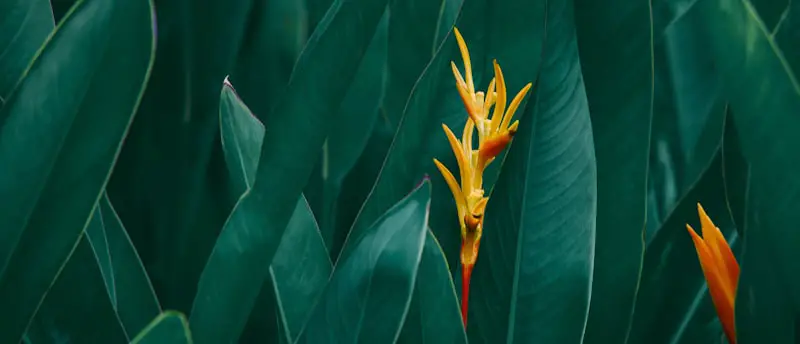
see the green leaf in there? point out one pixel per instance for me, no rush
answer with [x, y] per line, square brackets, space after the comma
[58, 148]
[78, 298]
[133, 296]
[434, 315]
[435, 100]
[234, 273]
[416, 30]
[170, 188]
[293, 285]
[369, 293]
[276, 34]
[540, 219]
[786, 33]
[616, 50]
[673, 305]
[24, 26]
[241, 135]
[349, 133]
[169, 327]
[765, 99]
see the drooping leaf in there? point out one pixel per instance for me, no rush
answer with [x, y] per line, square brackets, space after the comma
[434, 315]
[169, 327]
[616, 50]
[234, 273]
[369, 292]
[24, 26]
[534, 271]
[99, 58]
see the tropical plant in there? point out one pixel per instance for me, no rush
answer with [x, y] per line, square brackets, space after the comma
[274, 171]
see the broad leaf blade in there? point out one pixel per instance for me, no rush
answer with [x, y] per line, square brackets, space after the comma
[534, 271]
[78, 298]
[616, 50]
[234, 274]
[368, 295]
[58, 148]
[170, 189]
[434, 315]
[24, 26]
[764, 96]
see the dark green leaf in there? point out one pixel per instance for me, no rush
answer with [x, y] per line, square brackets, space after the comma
[434, 315]
[416, 30]
[58, 148]
[369, 293]
[294, 284]
[78, 298]
[765, 99]
[24, 26]
[349, 133]
[169, 327]
[170, 188]
[616, 50]
[673, 304]
[235, 272]
[276, 33]
[133, 296]
[533, 277]
[241, 136]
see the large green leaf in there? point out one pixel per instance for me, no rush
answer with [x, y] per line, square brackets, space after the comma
[673, 305]
[434, 315]
[171, 189]
[534, 272]
[168, 328]
[235, 271]
[688, 112]
[765, 99]
[349, 133]
[24, 26]
[514, 39]
[416, 30]
[616, 50]
[370, 290]
[77, 298]
[58, 148]
[293, 285]
[276, 33]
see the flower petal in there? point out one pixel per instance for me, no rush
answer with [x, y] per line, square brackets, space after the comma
[467, 64]
[463, 165]
[514, 105]
[500, 103]
[458, 196]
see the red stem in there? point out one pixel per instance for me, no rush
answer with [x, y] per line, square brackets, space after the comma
[466, 274]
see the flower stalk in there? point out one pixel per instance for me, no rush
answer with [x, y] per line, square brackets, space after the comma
[488, 115]
[720, 270]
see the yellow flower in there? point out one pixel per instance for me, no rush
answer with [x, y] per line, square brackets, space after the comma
[720, 269]
[494, 134]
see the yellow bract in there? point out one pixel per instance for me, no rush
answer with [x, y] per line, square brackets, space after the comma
[495, 131]
[720, 269]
